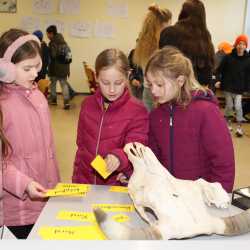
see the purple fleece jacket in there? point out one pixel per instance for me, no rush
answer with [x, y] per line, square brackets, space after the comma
[198, 144]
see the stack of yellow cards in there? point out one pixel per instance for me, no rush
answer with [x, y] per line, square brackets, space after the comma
[99, 165]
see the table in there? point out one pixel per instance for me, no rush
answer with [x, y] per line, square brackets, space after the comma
[101, 194]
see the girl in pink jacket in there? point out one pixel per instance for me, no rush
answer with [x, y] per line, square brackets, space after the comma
[108, 120]
[30, 166]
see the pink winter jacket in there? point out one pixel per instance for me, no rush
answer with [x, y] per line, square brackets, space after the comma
[26, 123]
[106, 132]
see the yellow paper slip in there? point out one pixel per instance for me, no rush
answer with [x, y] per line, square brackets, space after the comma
[74, 191]
[92, 232]
[85, 187]
[74, 215]
[99, 165]
[115, 207]
[120, 218]
[119, 189]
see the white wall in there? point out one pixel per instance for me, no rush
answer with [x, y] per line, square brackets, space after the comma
[225, 20]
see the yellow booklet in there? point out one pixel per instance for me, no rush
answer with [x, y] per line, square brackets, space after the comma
[99, 165]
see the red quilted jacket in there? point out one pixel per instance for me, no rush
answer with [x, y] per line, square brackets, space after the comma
[106, 132]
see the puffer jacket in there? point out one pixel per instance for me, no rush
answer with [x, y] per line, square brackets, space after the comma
[26, 124]
[56, 68]
[234, 71]
[193, 142]
[106, 132]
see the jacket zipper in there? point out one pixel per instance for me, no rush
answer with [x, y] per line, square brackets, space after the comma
[99, 136]
[171, 140]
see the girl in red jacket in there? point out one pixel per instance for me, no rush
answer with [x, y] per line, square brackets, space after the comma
[108, 120]
[187, 131]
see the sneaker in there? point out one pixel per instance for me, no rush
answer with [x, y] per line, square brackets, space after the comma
[66, 105]
[230, 128]
[52, 101]
[239, 132]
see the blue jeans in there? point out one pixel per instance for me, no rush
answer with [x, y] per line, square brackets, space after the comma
[64, 86]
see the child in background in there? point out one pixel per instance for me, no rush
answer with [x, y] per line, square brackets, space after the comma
[30, 166]
[108, 120]
[187, 132]
[234, 70]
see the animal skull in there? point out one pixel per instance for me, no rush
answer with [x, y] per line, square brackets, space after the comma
[181, 206]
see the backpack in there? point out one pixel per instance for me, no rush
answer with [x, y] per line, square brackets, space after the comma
[64, 55]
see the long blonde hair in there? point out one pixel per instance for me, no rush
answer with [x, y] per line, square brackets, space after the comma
[150, 33]
[172, 63]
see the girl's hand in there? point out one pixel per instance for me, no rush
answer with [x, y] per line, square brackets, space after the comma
[122, 178]
[112, 162]
[136, 83]
[217, 85]
[35, 190]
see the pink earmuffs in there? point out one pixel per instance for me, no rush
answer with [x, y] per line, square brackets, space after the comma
[7, 68]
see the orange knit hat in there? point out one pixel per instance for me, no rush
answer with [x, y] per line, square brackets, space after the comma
[225, 47]
[241, 38]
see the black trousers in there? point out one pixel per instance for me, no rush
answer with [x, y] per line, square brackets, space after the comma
[21, 232]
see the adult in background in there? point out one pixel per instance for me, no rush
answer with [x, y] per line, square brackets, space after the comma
[191, 36]
[57, 71]
[155, 21]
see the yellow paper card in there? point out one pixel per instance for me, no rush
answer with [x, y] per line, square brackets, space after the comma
[115, 207]
[61, 185]
[120, 218]
[74, 215]
[119, 189]
[91, 232]
[99, 165]
[71, 191]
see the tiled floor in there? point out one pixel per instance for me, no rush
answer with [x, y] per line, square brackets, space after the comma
[64, 124]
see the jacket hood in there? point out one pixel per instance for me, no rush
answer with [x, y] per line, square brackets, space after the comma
[58, 38]
[206, 96]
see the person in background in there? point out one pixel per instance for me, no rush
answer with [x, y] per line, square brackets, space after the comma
[187, 132]
[58, 71]
[224, 48]
[234, 70]
[135, 77]
[30, 167]
[191, 36]
[109, 119]
[44, 54]
[155, 21]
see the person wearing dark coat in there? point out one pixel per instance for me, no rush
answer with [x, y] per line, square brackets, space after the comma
[234, 70]
[44, 54]
[57, 71]
[191, 36]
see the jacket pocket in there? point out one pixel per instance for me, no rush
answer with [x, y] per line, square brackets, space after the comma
[31, 167]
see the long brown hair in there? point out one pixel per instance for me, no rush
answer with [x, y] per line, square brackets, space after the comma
[196, 39]
[6, 147]
[150, 33]
[171, 63]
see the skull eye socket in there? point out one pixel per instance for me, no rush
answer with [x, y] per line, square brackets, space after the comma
[132, 151]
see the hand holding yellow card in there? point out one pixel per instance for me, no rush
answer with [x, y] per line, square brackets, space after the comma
[99, 165]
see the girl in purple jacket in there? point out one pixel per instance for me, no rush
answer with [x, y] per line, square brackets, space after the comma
[29, 165]
[108, 120]
[187, 131]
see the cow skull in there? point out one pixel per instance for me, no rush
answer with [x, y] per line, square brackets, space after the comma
[181, 207]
